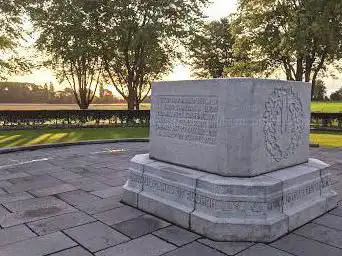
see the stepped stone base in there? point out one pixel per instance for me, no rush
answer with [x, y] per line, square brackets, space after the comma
[258, 209]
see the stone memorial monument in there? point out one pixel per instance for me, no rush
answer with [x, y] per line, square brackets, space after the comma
[229, 159]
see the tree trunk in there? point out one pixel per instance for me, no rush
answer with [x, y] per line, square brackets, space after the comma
[313, 89]
[130, 102]
[137, 105]
[83, 106]
[299, 69]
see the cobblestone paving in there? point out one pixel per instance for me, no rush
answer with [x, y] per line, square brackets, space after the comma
[66, 202]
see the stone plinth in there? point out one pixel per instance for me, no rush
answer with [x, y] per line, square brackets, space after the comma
[231, 127]
[229, 159]
[260, 208]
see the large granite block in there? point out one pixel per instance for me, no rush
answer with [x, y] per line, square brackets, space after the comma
[231, 127]
[257, 209]
[229, 159]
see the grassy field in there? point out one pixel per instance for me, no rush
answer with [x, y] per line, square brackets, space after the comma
[326, 107]
[44, 136]
[326, 139]
[315, 106]
[33, 137]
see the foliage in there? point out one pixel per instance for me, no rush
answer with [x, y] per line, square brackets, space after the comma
[13, 92]
[336, 96]
[140, 40]
[320, 91]
[133, 41]
[211, 49]
[73, 118]
[67, 34]
[301, 36]
[11, 33]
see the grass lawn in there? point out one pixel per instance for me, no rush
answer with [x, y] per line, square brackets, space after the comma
[326, 139]
[44, 136]
[326, 107]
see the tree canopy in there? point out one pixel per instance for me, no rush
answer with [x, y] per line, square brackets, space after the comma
[129, 43]
[300, 36]
[337, 95]
[140, 41]
[211, 49]
[11, 32]
[320, 91]
[67, 34]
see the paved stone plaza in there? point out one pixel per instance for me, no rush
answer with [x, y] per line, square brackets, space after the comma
[66, 202]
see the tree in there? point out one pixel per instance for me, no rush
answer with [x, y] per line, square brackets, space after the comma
[11, 33]
[301, 36]
[336, 96]
[320, 91]
[140, 39]
[67, 34]
[211, 50]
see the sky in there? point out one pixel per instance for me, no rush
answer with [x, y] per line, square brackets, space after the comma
[216, 10]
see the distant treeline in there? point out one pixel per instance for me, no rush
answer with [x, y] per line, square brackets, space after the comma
[13, 92]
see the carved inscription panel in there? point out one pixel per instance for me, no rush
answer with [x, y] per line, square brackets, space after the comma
[187, 118]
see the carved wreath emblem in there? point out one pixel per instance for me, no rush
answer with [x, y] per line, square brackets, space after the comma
[283, 123]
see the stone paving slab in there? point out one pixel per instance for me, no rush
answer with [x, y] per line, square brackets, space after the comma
[89, 184]
[38, 246]
[69, 205]
[7, 175]
[96, 236]
[108, 192]
[194, 249]
[176, 235]
[2, 192]
[337, 211]
[229, 248]
[33, 209]
[101, 205]
[15, 197]
[3, 212]
[118, 215]
[53, 190]
[331, 221]
[146, 245]
[54, 224]
[299, 245]
[76, 251]
[78, 197]
[140, 226]
[4, 184]
[15, 234]
[32, 182]
[263, 250]
[322, 234]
